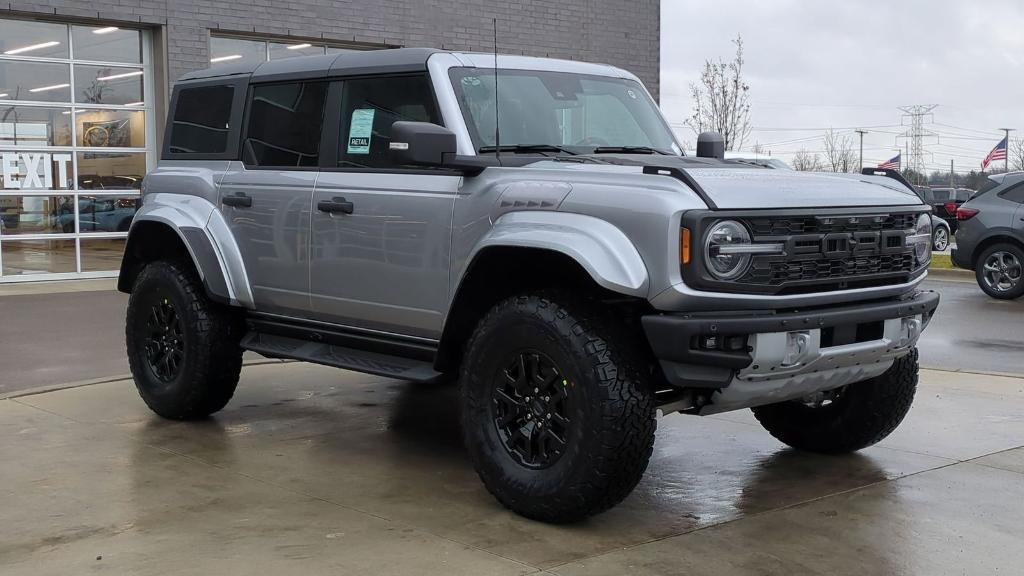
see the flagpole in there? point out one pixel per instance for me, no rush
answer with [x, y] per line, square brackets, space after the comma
[1007, 159]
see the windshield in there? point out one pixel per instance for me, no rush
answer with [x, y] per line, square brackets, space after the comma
[570, 113]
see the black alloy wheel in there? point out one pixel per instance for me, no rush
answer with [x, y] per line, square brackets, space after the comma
[165, 342]
[531, 409]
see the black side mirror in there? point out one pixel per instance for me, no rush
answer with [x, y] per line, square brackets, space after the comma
[432, 146]
[420, 143]
[710, 145]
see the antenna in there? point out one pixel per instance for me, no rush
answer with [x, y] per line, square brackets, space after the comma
[497, 136]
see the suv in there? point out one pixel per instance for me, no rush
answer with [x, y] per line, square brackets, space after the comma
[991, 236]
[944, 202]
[535, 234]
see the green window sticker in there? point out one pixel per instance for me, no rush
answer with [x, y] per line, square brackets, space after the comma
[360, 129]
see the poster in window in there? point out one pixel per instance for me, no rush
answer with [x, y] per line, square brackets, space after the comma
[107, 133]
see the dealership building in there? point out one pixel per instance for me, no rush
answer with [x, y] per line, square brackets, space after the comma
[84, 87]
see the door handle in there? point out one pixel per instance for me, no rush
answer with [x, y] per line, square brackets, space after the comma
[336, 204]
[238, 200]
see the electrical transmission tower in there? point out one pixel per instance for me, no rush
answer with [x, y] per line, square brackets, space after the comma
[916, 135]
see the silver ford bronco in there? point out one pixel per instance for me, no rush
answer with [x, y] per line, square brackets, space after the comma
[531, 228]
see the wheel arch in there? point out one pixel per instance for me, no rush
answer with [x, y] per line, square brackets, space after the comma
[186, 229]
[498, 272]
[996, 236]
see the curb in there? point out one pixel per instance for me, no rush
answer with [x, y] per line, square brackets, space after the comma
[955, 274]
[106, 380]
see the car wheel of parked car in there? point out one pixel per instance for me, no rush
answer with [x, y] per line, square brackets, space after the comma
[846, 419]
[998, 271]
[182, 348]
[940, 239]
[557, 415]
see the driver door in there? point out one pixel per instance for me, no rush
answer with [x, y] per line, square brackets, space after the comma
[381, 234]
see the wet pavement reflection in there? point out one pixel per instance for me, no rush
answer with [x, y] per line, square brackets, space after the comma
[314, 470]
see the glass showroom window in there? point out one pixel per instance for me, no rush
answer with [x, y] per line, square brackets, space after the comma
[76, 139]
[226, 50]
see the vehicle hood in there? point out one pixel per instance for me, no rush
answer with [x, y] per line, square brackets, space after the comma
[735, 185]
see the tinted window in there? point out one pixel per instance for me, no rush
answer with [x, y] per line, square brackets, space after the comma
[201, 117]
[284, 124]
[987, 185]
[1015, 193]
[368, 109]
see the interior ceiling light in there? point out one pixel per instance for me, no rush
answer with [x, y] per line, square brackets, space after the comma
[116, 76]
[106, 30]
[45, 88]
[32, 47]
[299, 46]
[226, 58]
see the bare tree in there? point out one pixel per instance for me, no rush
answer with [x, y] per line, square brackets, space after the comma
[839, 153]
[721, 99]
[804, 161]
[1016, 153]
[759, 150]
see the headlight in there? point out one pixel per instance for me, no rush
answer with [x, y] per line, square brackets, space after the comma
[721, 263]
[922, 240]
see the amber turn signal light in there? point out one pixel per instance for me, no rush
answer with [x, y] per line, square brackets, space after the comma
[684, 245]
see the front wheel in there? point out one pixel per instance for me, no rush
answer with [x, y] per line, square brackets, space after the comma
[182, 348]
[557, 415]
[849, 418]
[998, 271]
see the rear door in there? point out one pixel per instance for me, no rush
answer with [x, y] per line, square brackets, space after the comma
[266, 196]
[380, 245]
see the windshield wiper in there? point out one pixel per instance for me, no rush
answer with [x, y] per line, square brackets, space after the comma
[630, 150]
[516, 148]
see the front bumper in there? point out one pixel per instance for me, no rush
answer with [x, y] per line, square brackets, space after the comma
[770, 356]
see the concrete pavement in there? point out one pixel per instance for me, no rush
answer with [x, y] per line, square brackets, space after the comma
[312, 470]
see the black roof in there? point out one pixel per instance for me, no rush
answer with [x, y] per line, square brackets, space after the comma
[345, 64]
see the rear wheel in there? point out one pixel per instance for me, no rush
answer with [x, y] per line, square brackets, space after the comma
[940, 239]
[848, 418]
[182, 348]
[998, 271]
[557, 416]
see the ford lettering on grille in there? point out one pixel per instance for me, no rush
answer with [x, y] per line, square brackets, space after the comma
[843, 244]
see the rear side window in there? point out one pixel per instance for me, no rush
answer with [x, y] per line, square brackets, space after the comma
[987, 185]
[201, 120]
[284, 126]
[1015, 193]
[369, 107]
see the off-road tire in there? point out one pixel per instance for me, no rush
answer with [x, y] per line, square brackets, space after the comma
[612, 415]
[210, 332]
[1017, 290]
[863, 413]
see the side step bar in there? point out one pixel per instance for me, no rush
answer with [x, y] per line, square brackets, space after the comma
[279, 346]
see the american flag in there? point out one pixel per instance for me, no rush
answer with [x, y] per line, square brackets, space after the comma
[997, 153]
[892, 164]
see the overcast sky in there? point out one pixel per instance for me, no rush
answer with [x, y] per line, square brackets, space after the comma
[815, 64]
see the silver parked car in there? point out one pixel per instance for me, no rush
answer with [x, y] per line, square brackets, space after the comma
[990, 238]
[533, 230]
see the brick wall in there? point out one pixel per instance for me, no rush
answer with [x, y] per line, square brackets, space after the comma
[617, 32]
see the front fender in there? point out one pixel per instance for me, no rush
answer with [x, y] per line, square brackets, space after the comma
[600, 248]
[207, 238]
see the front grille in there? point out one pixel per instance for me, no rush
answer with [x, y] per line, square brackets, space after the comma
[792, 225]
[824, 251]
[777, 273]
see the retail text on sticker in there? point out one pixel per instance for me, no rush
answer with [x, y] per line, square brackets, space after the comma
[35, 170]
